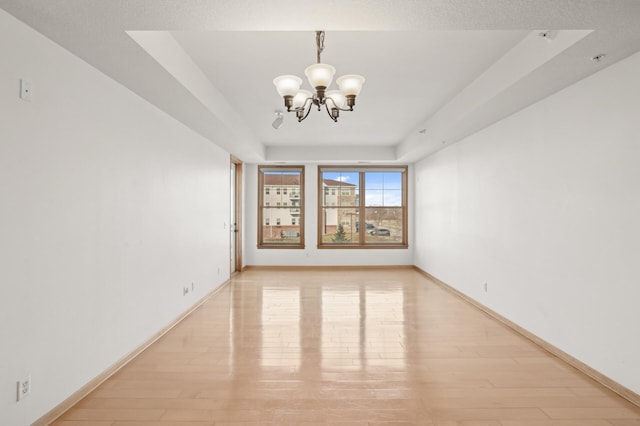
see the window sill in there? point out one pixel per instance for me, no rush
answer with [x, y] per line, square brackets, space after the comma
[360, 247]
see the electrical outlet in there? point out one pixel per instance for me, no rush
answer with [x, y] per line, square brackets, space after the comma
[23, 388]
[185, 291]
[26, 88]
[486, 287]
[193, 286]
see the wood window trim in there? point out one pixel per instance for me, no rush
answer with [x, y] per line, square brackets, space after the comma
[261, 205]
[362, 245]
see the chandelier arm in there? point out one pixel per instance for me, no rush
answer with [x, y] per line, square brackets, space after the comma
[335, 105]
[309, 99]
[330, 111]
[326, 106]
[331, 115]
[300, 117]
[304, 105]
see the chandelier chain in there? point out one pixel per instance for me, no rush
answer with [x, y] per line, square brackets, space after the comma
[319, 43]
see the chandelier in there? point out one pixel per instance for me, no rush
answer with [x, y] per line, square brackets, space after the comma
[320, 76]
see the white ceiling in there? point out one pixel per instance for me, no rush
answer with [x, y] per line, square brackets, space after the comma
[404, 82]
[447, 68]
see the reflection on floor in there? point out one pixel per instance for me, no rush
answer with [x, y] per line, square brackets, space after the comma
[361, 347]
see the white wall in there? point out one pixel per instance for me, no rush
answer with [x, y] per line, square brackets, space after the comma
[108, 208]
[311, 256]
[544, 206]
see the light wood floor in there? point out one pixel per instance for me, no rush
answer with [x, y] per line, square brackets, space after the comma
[367, 347]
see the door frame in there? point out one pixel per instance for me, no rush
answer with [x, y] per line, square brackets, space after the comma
[236, 222]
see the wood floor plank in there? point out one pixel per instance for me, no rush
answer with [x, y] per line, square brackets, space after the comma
[358, 347]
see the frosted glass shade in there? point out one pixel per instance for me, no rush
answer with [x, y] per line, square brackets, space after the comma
[337, 97]
[320, 75]
[287, 85]
[300, 98]
[350, 84]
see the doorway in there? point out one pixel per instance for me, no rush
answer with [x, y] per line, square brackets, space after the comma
[235, 219]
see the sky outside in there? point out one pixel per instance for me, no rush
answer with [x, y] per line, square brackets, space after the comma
[381, 188]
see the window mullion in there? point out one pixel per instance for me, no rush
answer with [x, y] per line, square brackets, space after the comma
[361, 211]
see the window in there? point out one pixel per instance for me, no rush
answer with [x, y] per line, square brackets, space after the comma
[282, 225]
[382, 208]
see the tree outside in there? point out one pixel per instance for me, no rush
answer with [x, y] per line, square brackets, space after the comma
[340, 235]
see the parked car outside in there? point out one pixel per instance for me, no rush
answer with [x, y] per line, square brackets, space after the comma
[367, 225]
[380, 231]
